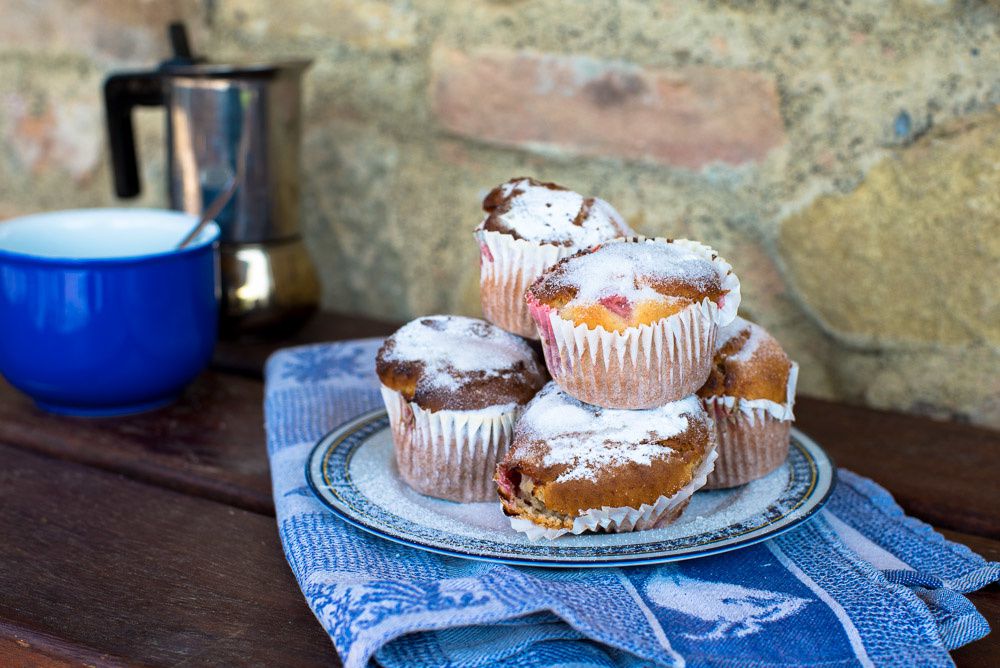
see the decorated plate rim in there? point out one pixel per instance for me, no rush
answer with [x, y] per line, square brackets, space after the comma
[821, 484]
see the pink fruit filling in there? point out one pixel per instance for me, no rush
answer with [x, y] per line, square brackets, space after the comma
[508, 480]
[485, 253]
[617, 304]
[518, 494]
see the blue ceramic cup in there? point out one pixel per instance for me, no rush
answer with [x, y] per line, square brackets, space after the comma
[100, 314]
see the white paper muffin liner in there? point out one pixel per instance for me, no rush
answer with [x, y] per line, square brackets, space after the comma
[449, 454]
[754, 409]
[752, 435]
[507, 267]
[621, 519]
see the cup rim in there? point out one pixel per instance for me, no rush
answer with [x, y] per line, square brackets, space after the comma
[208, 237]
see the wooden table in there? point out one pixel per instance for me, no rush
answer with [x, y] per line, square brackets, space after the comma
[151, 539]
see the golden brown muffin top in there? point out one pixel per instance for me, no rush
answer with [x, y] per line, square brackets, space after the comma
[580, 456]
[749, 364]
[548, 213]
[446, 362]
[629, 283]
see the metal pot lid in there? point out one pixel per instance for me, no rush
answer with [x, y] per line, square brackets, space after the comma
[206, 70]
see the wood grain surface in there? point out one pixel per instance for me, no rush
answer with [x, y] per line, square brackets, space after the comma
[139, 574]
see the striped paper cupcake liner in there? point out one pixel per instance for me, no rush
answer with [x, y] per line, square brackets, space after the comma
[752, 435]
[508, 266]
[449, 454]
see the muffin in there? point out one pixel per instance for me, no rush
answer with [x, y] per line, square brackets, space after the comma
[529, 225]
[574, 467]
[453, 388]
[749, 394]
[632, 323]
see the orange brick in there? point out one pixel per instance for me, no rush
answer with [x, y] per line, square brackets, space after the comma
[686, 117]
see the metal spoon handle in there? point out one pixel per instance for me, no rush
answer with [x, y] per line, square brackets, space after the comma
[213, 210]
[220, 201]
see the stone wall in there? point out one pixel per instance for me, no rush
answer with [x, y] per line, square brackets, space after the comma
[844, 156]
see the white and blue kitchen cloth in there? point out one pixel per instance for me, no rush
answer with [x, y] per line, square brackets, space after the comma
[860, 584]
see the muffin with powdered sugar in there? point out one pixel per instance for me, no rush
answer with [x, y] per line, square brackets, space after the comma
[631, 323]
[453, 388]
[529, 225]
[575, 468]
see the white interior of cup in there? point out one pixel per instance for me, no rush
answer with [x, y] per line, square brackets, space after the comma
[86, 234]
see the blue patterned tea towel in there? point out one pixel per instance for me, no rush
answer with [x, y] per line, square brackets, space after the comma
[861, 584]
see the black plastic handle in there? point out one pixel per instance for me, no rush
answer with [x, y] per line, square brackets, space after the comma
[123, 92]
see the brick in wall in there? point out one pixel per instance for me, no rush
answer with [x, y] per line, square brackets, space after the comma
[686, 117]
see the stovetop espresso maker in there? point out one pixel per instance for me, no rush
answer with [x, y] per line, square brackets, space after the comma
[230, 129]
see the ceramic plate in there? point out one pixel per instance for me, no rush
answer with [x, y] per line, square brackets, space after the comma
[353, 472]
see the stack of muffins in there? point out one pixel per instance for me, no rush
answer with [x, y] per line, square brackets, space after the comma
[658, 389]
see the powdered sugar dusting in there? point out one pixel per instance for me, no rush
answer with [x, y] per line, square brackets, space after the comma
[451, 346]
[547, 214]
[630, 270]
[730, 331]
[735, 329]
[589, 438]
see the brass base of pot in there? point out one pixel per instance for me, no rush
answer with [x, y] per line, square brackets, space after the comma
[268, 289]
